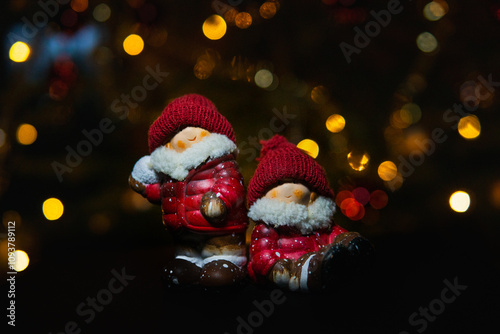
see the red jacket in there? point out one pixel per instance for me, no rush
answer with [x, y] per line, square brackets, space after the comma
[180, 200]
[269, 245]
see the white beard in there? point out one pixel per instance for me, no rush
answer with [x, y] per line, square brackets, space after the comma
[307, 218]
[178, 164]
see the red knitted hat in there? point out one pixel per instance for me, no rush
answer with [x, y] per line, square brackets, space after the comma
[280, 161]
[188, 110]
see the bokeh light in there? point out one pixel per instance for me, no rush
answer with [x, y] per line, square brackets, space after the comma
[102, 12]
[362, 195]
[243, 20]
[378, 199]
[426, 42]
[319, 95]
[469, 127]
[19, 52]
[335, 123]
[52, 208]
[387, 170]
[460, 201]
[343, 195]
[267, 10]
[21, 261]
[310, 147]
[263, 78]
[79, 5]
[352, 209]
[133, 44]
[435, 10]
[26, 134]
[358, 160]
[214, 27]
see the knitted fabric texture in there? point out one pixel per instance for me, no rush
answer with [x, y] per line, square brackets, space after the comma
[281, 161]
[188, 110]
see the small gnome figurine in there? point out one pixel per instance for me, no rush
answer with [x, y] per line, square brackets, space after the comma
[295, 243]
[192, 173]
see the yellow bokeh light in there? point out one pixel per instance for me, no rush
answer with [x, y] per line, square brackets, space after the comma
[319, 94]
[267, 10]
[387, 170]
[263, 78]
[310, 147]
[358, 160]
[460, 201]
[21, 261]
[52, 208]
[214, 27]
[243, 20]
[335, 123]
[133, 44]
[469, 127]
[26, 134]
[19, 52]
[426, 42]
[434, 10]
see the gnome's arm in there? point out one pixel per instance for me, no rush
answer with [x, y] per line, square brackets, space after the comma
[145, 181]
[264, 250]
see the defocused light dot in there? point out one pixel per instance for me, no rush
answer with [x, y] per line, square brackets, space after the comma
[362, 195]
[434, 10]
[26, 134]
[319, 94]
[460, 201]
[21, 261]
[102, 12]
[469, 127]
[243, 20]
[79, 5]
[352, 209]
[310, 147]
[342, 195]
[52, 208]
[267, 10]
[214, 27]
[378, 199]
[412, 112]
[19, 52]
[335, 123]
[263, 78]
[387, 170]
[133, 44]
[2, 137]
[358, 160]
[426, 42]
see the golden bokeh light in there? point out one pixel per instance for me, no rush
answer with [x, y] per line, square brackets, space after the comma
[319, 95]
[426, 42]
[310, 147]
[435, 10]
[19, 52]
[335, 123]
[133, 44]
[358, 160]
[460, 201]
[469, 127]
[267, 10]
[79, 5]
[243, 20]
[21, 261]
[52, 208]
[214, 27]
[26, 134]
[387, 170]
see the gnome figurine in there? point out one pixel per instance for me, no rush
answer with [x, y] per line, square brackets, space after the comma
[295, 243]
[192, 173]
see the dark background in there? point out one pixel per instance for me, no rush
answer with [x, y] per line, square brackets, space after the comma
[420, 241]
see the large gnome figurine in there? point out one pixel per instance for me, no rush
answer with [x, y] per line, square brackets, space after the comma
[295, 243]
[192, 173]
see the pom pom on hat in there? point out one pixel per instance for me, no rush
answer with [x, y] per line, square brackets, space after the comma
[281, 161]
[188, 110]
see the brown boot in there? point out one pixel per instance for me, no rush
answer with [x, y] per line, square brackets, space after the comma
[179, 273]
[221, 273]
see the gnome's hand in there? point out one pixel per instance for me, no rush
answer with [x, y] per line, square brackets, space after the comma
[213, 209]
